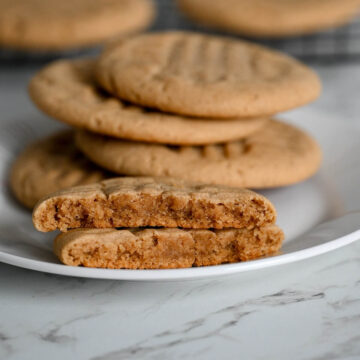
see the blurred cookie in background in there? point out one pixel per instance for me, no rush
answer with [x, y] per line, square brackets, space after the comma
[48, 165]
[271, 18]
[51, 25]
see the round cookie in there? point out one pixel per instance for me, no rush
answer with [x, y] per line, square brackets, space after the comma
[279, 154]
[206, 76]
[271, 18]
[66, 91]
[50, 25]
[155, 248]
[49, 165]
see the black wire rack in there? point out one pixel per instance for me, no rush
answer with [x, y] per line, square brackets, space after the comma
[331, 46]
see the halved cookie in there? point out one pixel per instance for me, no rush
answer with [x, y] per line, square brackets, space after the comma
[154, 202]
[164, 248]
[203, 75]
[49, 25]
[271, 18]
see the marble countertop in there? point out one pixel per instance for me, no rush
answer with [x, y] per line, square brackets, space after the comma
[306, 310]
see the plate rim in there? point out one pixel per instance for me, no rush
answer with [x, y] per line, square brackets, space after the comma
[193, 273]
[179, 274]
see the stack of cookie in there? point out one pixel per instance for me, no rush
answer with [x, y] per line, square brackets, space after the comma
[186, 105]
[147, 223]
[177, 104]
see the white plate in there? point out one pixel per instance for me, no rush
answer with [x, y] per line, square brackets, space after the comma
[331, 194]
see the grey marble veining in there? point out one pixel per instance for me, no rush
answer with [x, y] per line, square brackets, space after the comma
[300, 311]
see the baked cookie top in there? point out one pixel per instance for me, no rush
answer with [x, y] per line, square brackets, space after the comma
[66, 90]
[49, 165]
[59, 25]
[155, 202]
[202, 75]
[278, 154]
[271, 18]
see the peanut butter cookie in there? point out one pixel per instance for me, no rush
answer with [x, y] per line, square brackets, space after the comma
[278, 154]
[49, 165]
[164, 248]
[202, 75]
[154, 202]
[66, 90]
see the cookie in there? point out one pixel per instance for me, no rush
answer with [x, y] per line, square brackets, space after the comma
[66, 91]
[203, 75]
[51, 25]
[278, 154]
[49, 165]
[164, 248]
[146, 201]
[271, 18]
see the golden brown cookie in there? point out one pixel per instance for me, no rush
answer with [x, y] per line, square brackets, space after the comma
[278, 154]
[66, 91]
[49, 165]
[202, 75]
[271, 18]
[59, 25]
[164, 248]
[156, 202]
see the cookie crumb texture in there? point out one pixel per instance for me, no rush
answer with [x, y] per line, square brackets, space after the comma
[164, 248]
[143, 202]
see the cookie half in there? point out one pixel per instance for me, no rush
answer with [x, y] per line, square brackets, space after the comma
[49, 165]
[202, 75]
[164, 248]
[52, 25]
[155, 202]
[278, 154]
[271, 18]
[66, 90]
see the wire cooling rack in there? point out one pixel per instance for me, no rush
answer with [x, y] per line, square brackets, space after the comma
[340, 44]
[331, 46]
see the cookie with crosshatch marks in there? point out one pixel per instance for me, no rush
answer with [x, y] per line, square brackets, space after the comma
[154, 202]
[278, 154]
[203, 75]
[66, 90]
[51, 164]
[52, 25]
[139, 248]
